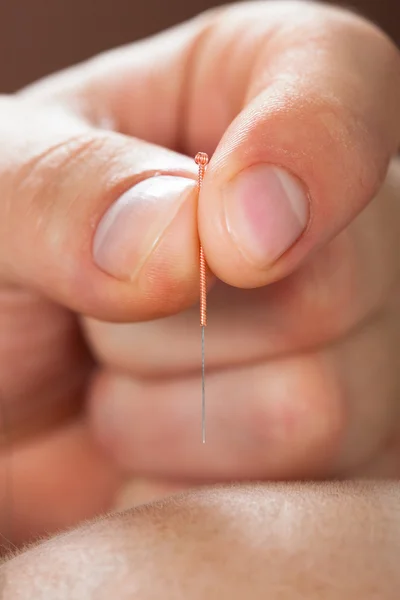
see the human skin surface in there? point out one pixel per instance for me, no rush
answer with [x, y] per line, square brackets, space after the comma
[333, 541]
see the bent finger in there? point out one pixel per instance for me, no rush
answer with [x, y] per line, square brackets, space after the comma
[311, 415]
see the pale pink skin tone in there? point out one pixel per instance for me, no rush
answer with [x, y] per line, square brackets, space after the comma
[302, 345]
[285, 542]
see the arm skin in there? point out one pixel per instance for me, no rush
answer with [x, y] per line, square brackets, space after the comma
[335, 541]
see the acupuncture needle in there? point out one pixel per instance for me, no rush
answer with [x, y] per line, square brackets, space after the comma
[202, 161]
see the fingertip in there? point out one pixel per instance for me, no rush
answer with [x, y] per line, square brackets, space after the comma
[149, 268]
[288, 176]
[170, 277]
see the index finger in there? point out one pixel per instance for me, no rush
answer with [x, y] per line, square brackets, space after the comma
[309, 149]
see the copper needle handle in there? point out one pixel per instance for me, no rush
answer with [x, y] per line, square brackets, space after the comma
[202, 161]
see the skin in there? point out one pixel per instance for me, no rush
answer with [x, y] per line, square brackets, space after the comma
[288, 542]
[100, 371]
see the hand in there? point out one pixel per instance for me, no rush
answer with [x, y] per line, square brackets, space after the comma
[301, 349]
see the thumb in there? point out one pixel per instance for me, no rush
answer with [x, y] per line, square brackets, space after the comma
[102, 223]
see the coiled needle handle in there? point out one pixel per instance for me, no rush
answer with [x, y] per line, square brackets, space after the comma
[202, 161]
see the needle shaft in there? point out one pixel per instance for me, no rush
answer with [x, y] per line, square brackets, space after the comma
[203, 386]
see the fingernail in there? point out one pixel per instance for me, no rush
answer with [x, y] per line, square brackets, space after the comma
[134, 224]
[267, 210]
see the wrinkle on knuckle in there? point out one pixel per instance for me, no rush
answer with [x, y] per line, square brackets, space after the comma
[50, 183]
[50, 167]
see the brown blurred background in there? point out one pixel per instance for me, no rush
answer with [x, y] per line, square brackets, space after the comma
[41, 36]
